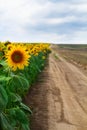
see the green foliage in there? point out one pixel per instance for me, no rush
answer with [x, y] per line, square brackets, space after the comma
[5, 125]
[3, 98]
[14, 114]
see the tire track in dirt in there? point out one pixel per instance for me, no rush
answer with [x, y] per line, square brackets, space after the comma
[78, 82]
[74, 102]
[69, 117]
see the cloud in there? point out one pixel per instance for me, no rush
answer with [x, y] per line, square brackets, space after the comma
[43, 20]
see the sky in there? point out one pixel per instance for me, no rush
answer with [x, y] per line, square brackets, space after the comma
[54, 21]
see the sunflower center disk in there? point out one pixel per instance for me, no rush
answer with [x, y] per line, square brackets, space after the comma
[17, 57]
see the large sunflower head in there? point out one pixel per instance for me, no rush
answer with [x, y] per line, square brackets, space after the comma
[17, 57]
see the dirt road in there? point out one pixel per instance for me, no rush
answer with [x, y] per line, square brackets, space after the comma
[59, 99]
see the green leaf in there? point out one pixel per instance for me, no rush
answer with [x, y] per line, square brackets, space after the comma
[15, 97]
[23, 106]
[4, 78]
[1, 54]
[5, 124]
[3, 98]
[4, 64]
[24, 80]
[21, 116]
[25, 127]
[12, 116]
[21, 81]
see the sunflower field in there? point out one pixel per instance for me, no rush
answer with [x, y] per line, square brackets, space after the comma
[20, 63]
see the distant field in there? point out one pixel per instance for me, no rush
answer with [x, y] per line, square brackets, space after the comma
[73, 46]
[74, 53]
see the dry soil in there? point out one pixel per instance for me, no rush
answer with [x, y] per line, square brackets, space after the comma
[59, 98]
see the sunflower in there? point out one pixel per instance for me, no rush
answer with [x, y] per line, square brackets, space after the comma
[17, 57]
